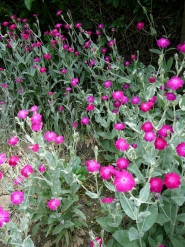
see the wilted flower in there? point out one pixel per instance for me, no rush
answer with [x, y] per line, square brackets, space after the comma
[98, 240]
[18, 180]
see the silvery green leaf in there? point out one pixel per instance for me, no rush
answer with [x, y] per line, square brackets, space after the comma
[91, 194]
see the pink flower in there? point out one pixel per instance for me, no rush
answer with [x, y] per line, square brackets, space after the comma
[121, 144]
[119, 126]
[163, 42]
[175, 83]
[160, 143]
[180, 149]
[106, 172]
[133, 57]
[156, 185]
[18, 180]
[17, 197]
[1, 175]
[149, 136]
[42, 168]
[135, 100]
[34, 108]
[117, 95]
[124, 181]
[107, 84]
[63, 71]
[170, 96]
[147, 127]
[104, 50]
[104, 97]
[36, 126]
[111, 43]
[13, 141]
[85, 120]
[4, 217]
[2, 158]
[22, 114]
[74, 82]
[4, 85]
[47, 56]
[98, 240]
[60, 108]
[78, 25]
[59, 12]
[140, 25]
[146, 106]
[90, 107]
[19, 80]
[26, 171]
[90, 99]
[122, 163]
[74, 124]
[172, 180]
[53, 204]
[37, 59]
[50, 136]
[165, 130]
[36, 118]
[152, 79]
[34, 147]
[117, 104]
[134, 145]
[92, 166]
[107, 200]
[127, 63]
[13, 160]
[42, 70]
[59, 139]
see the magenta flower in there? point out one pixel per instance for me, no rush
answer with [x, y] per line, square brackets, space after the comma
[134, 145]
[63, 71]
[107, 84]
[78, 25]
[160, 143]
[42, 168]
[121, 144]
[156, 185]
[135, 100]
[1, 175]
[74, 82]
[85, 120]
[122, 163]
[60, 108]
[13, 141]
[18, 180]
[59, 139]
[149, 136]
[74, 124]
[127, 63]
[2, 158]
[13, 160]
[26, 171]
[104, 97]
[90, 107]
[140, 25]
[180, 149]
[107, 200]
[42, 70]
[165, 130]
[90, 99]
[4, 217]
[117, 95]
[170, 96]
[152, 79]
[17, 197]
[19, 80]
[175, 83]
[34, 147]
[147, 127]
[50, 136]
[146, 106]
[92, 166]
[36, 127]
[34, 108]
[111, 43]
[172, 180]
[117, 104]
[163, 42]
[22, 114]
[47, 56]
[119, 126]
[124, 181]
[98, 240]
[53, 204]
[106, 172]
[133, 57]
[36, 118]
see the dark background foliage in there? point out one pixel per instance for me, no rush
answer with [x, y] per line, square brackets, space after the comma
[120, 14]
